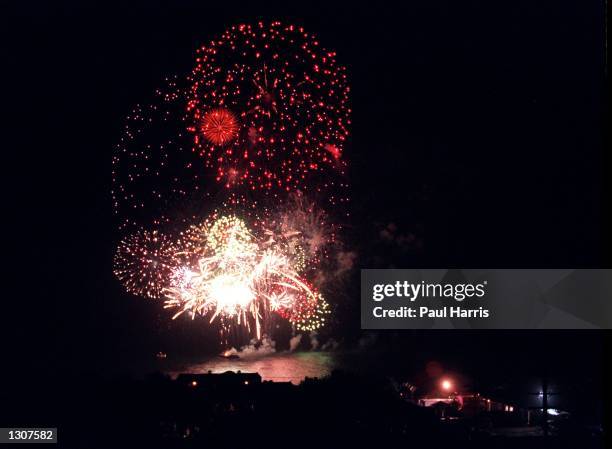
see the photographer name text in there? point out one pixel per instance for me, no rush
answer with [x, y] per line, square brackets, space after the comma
[423, 291]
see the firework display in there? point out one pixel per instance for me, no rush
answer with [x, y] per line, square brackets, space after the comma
[311, 314]
[291, 100]
[238, 168]
[156, 178]
[144, 261]
[236, 278]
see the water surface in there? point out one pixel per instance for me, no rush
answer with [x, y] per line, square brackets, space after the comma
[291, 367]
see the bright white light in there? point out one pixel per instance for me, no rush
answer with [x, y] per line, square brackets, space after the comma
[236, 277]
[446, 385]
[231, 293]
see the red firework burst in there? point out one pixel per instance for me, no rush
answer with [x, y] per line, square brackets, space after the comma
[292, 100]
[219, 126]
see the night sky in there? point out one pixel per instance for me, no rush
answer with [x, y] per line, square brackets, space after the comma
[477, 135]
